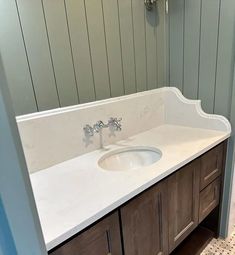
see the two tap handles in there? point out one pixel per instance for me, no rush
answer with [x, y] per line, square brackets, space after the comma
[113, 123]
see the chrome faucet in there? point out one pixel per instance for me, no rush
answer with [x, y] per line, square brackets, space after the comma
[88, 130]
[113, 123]
[150, 4]
[98, 126]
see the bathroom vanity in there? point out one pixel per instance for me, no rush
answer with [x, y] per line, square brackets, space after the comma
[163, 216]
[88, 203]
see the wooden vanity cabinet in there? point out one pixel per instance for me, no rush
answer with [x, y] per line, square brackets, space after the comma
[145, 223]
[157, 221]
[101, 239]
[183, 203]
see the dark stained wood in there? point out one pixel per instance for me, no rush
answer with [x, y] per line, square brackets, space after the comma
[209, 198]
[183, 203]
[209, 227]
[195, 243]
[101, 239]
[211, 222]
[144, 223]
[211, 165]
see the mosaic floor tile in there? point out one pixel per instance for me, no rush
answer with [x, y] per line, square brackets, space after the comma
[220, 246]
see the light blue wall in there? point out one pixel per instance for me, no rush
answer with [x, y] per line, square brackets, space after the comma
[17, 201]
[7, 246]
[201, 63]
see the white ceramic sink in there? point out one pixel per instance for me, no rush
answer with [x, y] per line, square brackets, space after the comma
[129, 158]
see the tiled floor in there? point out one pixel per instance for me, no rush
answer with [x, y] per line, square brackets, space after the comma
[221, 247]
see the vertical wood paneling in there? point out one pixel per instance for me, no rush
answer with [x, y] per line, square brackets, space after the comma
[15, 60]
[162, 47]
[151, 48]
[208, 53]
[127, 43]
[176, 37]
[74, 51]
[208, 50]
[61, 51]
[140, 44]
[111, 23]
[98, 48]
[225, 62]
[80, 48]
[191, 47]
[34, 31]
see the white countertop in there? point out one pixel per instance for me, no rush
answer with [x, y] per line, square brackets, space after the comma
[72, 195]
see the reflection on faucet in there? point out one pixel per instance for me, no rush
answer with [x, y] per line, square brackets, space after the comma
[115, 124]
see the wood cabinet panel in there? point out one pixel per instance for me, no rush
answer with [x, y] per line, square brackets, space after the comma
[183, 203]
[101, 239]
[209, 198]
[144, 223]
[211, 165]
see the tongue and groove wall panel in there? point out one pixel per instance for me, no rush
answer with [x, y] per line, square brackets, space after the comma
[65, 52]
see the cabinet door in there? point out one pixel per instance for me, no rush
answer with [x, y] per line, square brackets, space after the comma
[183, 203]
[209, 199]
[101, 239]
[144, 223]
[211, 165]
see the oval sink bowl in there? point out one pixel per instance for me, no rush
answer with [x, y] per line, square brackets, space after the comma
[129, 158]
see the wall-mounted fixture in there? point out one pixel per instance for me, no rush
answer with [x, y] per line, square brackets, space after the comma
[113, 123]
[150, 4]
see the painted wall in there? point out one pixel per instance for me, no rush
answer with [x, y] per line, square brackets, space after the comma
[7, 245]
[20, 229]
[232, 209]
[201, 63]
[202, 52]
[64, 52]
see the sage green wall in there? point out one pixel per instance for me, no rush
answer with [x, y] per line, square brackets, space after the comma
[201, 63]
[201, 41]
[64, 52]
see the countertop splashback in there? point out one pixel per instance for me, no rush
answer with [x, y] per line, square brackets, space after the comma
[54, 136]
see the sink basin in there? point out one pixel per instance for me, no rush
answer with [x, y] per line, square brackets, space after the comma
[129, 158]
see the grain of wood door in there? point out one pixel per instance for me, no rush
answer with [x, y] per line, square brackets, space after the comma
[209, 199]
[211, 165]
[101, 239]
[183, 203]
[144, 223]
